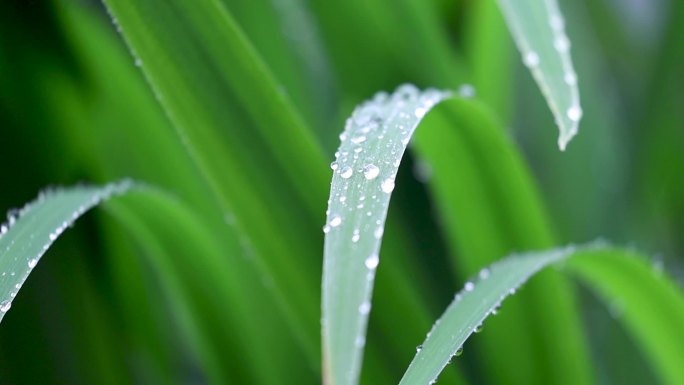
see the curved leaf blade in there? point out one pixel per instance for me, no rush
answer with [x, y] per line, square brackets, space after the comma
[653, 306]
[470, 307]
[372, 144]
[538, 29]
[30, 231]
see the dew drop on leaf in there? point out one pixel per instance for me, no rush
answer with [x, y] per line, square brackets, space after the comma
[335, 221]
[372, 261]
[387, 185]
[5, 306]
[371, 171]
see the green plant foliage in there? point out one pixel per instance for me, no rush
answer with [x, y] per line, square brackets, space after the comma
[29, 232]
[364, 173]
[539, 31]
[227, 114]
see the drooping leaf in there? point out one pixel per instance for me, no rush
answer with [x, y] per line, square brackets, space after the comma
[538, 28]
[29, 232]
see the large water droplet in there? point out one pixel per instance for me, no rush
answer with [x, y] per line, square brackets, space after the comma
[371, 171]
[531, 59]
[333, 166]
[358, 139]
[346, 172]
[469, 286]
[365, 308]
[574, 113]
[387, 185]
[372, 261]
[561, 43]
[335, 221]
[5, 306]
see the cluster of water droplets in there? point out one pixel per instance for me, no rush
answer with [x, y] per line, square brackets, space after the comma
[29, 247]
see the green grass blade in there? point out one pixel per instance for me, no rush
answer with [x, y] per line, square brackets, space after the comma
[538, 28]
[489, 207]
[253, 154]
[470, 308]
[651, 305]
[371, 148]
[30, 232]
[205, 277]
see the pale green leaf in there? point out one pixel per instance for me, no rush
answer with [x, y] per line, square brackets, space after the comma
[538, 29]
[30, 232]
[373, 142]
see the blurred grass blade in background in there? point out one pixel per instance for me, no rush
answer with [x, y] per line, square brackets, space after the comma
[30, 231]
[488, 207]
[644, 299]
[372, 145]
[246, 137]
[538, 28]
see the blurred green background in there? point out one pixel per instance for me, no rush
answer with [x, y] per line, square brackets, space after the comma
[75, 107]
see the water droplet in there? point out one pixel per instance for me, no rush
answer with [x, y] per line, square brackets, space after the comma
[53, 236]
[570, 78]
[466, 91]
[358, 139]
[556, 22]
[531, 59]
[5, 306]
[365, 308]
[561, 43]
[420, 112]
[372, 261]
[32, 263]
[335, 221]
[574, 113]
[459, 352]
[484, 273]
[371, 171]
[387, 185]
[333, 166]
[469, 286]
[356, 236]
[343, 199]
[360, 341]
[478, 328]
[419, 348]
[378, 232]
[406, 92]
[346, 172]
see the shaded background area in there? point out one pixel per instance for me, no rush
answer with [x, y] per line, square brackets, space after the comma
[74, 107]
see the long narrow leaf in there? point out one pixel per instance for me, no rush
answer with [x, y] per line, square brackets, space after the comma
[373, 143]
[30, 232]
[539, 31]
[652, 305]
